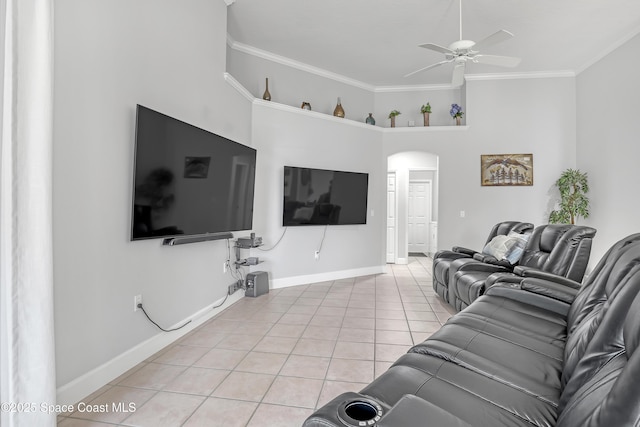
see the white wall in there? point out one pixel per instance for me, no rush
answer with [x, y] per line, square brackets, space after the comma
[292, 137]
[505, 116]
[608, 148]
[109, 56]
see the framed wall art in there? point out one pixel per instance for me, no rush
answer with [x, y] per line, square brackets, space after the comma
[506, 169]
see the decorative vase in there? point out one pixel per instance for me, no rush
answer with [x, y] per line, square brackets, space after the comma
[458, 120]
[426, 118]
[266, 96]
[393, 121]
[370, 120]
[306, 106]
[338, 111]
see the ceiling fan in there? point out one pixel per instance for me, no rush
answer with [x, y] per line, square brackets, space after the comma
[461, 51]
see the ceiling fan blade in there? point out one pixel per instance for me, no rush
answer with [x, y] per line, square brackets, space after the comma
[428, 67]
[502, 61]
[458, 75]
[436, 48]
[497, 37]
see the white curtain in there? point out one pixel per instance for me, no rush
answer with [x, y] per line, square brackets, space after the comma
[27, 375]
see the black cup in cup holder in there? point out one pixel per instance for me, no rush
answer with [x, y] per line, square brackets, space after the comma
[359, 412]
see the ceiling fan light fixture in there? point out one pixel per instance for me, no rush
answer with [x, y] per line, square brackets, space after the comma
[459, 52]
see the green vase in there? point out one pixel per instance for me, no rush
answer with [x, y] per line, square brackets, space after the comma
[370, 120]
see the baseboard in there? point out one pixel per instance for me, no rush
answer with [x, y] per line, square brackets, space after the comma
[72, 392]
[324, 277]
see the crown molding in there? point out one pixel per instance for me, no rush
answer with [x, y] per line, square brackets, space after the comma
[515, 76]
[413, 88]
[278, 59]
[282, 60]
[239, 87]
[609, 50]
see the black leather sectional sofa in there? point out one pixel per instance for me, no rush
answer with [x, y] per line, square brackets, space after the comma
[443, 259]
[529, 352]
[559, 249]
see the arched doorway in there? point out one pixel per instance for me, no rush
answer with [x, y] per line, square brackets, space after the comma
[412, 205]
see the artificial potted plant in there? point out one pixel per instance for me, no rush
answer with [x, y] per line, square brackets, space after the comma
[426, 110]
[574, 203]
[457, 113]
[392, 116]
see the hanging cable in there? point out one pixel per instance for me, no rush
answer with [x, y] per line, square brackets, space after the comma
[276, 244]
[223, 301]
[323, 236]
[160, 327]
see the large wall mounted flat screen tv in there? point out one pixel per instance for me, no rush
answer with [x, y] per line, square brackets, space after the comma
[324, 197]
[188, 181]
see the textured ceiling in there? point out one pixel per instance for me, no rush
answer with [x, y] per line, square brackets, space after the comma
[376, 42]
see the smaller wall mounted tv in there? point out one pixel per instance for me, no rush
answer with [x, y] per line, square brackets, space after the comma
[324, 197]
[188, 181]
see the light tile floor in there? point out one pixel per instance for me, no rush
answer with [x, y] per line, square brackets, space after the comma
[272, 360]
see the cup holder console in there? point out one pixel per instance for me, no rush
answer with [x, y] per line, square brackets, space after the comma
[359, 412]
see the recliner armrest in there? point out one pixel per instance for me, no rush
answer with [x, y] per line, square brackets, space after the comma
[492, 260]
[539, 274]
[481, 266]
[533, 295]
[549, 289]
[413, 411]
[464, 250]
[485, 258]
[450, 255]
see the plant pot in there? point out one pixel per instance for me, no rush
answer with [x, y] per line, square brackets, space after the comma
[426, 118]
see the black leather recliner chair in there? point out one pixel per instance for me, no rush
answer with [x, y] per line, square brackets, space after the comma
[442, 259]
[533, 353]
[560, 249]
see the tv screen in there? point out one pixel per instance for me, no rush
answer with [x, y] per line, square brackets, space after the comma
[324, 197]
[188, 181]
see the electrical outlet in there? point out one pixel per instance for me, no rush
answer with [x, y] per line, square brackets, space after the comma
[137, 300]
[232, 288]
[317, 255]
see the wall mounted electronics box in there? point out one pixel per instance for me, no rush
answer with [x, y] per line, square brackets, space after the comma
[249, 242]
[257, 284]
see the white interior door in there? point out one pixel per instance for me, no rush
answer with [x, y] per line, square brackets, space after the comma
[419, 209]
[391, 217]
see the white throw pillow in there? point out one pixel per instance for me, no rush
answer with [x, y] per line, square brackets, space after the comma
[498, 247]
[514, 254]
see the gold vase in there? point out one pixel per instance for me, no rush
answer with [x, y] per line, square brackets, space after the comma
[267, 95]
[458, 120]
[426, 118]
[338, 111]
[393, 121]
